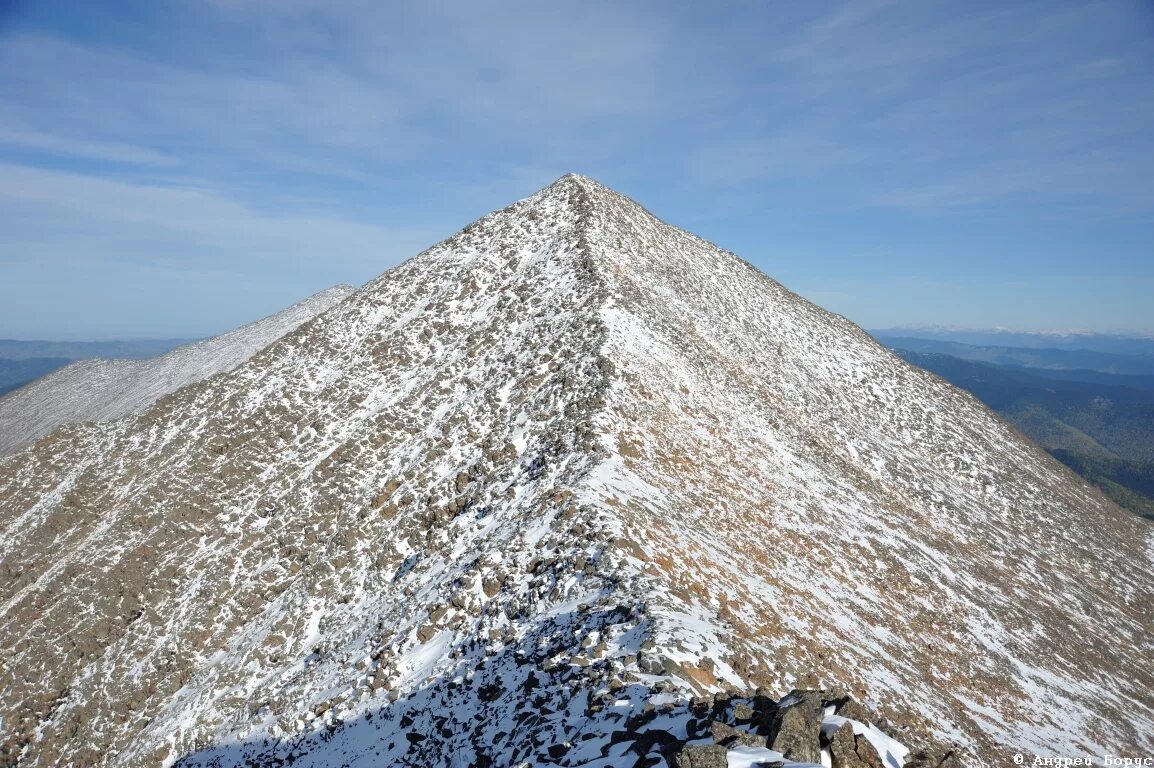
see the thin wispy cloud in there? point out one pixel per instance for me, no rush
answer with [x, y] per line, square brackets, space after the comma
[999, 102]
[199, 216]
[114, 152]
[343, 123]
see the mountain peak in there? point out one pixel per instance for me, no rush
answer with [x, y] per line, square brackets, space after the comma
[542, 484]
[575, 179]
[585, 194]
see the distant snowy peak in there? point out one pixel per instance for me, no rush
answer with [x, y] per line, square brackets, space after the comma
[573, 487]
[101, 390]
[1114, 342]
[932, 328]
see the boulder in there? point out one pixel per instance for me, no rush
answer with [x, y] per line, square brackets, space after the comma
[728, 736]
[795, 729]
[743, 713]
[866, 753]
[855, 711]
[490, 586]
[934, 757]
[702, 756]
[847, 750]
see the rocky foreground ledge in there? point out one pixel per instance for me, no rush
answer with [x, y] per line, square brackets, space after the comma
[825, 728]
[807, 727]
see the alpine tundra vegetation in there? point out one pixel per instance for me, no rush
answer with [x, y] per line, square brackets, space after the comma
[573, 487]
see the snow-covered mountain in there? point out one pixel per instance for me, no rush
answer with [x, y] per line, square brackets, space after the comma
[101, 390]
[527, 498]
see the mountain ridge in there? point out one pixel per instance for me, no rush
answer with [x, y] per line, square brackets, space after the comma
[568, 451]
[103, 389]
[22, 349]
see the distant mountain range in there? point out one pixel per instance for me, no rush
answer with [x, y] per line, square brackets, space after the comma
[1029, 357]
[1088, 376]
[1114, 343]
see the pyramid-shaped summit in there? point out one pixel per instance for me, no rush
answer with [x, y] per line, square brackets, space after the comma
[546, 494]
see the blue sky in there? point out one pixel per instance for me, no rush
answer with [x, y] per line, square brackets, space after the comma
[172, 168]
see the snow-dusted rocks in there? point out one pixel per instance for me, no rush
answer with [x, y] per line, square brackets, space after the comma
[523, 498]
[101, 390]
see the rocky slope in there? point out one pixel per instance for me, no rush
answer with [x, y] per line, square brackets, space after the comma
[522, 499]
[101, 390]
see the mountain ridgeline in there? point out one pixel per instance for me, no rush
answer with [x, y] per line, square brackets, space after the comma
[16, 373]
[24, 361]
[102, 389]
[573, 487]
